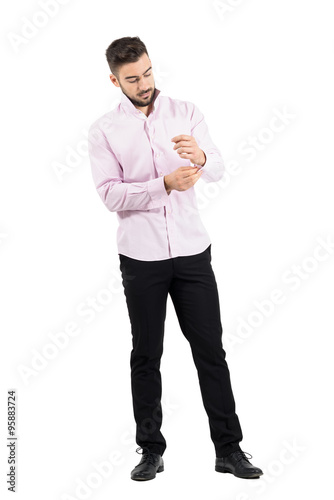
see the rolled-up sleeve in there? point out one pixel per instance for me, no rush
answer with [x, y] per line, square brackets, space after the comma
[107, 175]
[214, 168]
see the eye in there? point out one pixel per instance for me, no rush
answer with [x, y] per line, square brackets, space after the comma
[134, 81]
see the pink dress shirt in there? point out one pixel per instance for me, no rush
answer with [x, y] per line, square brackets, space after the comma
[129, 154]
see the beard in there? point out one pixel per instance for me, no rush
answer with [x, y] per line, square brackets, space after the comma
[141, 102]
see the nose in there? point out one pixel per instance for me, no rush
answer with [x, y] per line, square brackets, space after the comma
[142, 85]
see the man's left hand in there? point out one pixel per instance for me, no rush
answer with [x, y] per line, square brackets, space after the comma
[188, 149]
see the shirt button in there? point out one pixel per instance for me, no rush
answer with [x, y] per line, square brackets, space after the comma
[161, 174]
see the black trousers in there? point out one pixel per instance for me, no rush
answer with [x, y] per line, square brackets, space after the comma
[191, 283]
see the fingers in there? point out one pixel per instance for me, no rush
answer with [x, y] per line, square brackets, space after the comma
[195, 177]
[182, 137]
[189, 180]
[198, 175]
[191, 169]
[184, 145]
[191, 173]
[189, 177]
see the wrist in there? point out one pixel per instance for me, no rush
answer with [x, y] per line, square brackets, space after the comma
[168, 189]
[203, 161]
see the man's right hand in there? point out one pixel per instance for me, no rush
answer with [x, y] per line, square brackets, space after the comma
[182, 178]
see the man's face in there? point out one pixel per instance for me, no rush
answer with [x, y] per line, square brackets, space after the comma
[135, 79]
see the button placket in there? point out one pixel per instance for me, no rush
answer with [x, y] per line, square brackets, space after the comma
[171, 230]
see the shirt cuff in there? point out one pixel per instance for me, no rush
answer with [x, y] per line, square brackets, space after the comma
[157, 191]
[212, 171]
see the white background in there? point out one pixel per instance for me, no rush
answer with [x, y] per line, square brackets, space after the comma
[238, 61]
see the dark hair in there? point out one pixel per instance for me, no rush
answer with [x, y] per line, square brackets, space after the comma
[124, 50]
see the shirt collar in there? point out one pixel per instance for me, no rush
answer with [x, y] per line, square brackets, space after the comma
[128, 105]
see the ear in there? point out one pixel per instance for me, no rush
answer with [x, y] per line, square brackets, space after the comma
[114, 80]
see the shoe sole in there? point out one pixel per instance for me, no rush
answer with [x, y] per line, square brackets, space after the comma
[160, 469]
[222, 469]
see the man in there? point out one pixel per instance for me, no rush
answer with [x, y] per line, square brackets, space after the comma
[141, 154]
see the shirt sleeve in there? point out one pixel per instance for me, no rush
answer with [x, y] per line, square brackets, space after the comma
[107, 175]
[213, 168]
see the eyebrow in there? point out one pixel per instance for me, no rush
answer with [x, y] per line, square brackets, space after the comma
[128, 77]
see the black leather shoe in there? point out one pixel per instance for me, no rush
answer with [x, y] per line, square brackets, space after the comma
[149, 465]
[238, 464]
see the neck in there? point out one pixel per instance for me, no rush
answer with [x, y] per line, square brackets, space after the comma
[147, 110]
